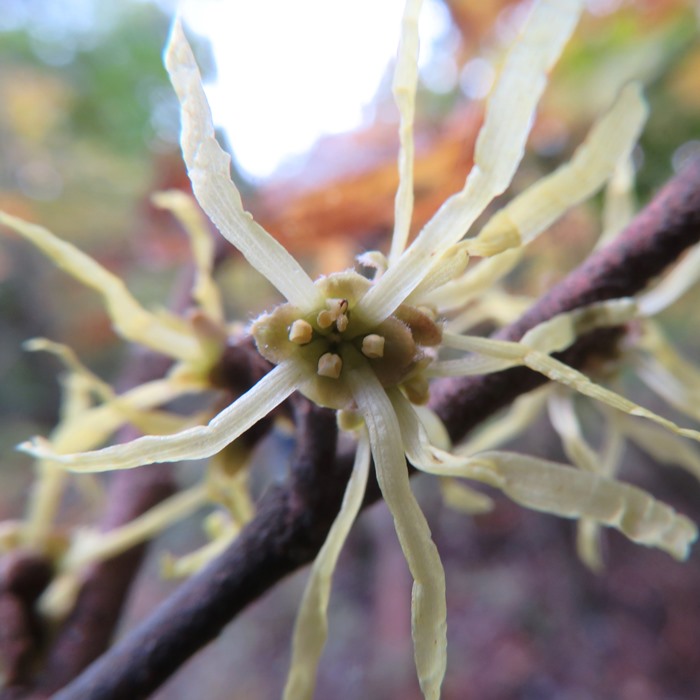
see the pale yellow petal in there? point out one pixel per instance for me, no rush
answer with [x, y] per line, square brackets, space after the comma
[311, 627]
[434, 428]
[499, 149]
[523, 77]
[572, 493]
[424, 453]
[91, 547]
[612, 138]
[77, 395]
[227, 482]
[188, 564]
[562, 330]
[508, 425]
[71, 361]
[194, 443]
[204, 292]
[511, 353]
[418, 448]
[497, 349]
[469, 366]
[559, 372]
[463, 498]
[474, 282]
[589, 540]
[404, 89]
[664, 447]
[674, 284]
[670, 387]
[553, 335]
[618, 204]
[563, 418]
[429, 610]
[451, 263]
[588, 544]
[59, 597]
[86, 429]
[129, 318]
[95, 425]
[209, 170]
[555, 488]
[494, 306]
[49, 482]
[655, 342]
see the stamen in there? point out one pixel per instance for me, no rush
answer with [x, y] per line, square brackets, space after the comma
[341, 323]
[301, 332]
[373, 346]
[335, 313]
[325, 319]
[329, 365]
[337, 306]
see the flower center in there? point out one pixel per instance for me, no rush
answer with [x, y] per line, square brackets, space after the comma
[331, 340]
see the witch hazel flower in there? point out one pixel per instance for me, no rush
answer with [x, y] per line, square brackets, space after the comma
[369, 347]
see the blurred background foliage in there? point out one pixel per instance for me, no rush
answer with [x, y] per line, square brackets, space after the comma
[88, 125]
[88, 130]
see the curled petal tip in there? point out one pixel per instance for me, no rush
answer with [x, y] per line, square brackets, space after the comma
[37, 447]
[174, 44]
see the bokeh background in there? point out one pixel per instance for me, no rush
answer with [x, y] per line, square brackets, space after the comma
[88, 130]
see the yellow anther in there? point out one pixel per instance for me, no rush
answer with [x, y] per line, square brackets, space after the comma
[341, 323]
[325, 319]
[335, 313]
[301, 332]
[373, 346]
[329, 365]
